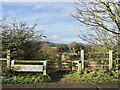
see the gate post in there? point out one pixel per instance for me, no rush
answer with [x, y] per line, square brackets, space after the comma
[45, 67]
[82, 58]
[79, 67]
[110, 59]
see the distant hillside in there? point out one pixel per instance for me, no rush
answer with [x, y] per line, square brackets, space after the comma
[54, 44]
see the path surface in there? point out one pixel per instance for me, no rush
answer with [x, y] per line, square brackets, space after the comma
[62, 82]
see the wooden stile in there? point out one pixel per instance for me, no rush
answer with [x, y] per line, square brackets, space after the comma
[29, 66]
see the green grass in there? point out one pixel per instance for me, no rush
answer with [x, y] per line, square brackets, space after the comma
[25, 78]
[95, 76]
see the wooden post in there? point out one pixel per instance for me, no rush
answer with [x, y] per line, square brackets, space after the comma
[110, 59]
[79, 67]
[12, 65]
[45, 67]
[79, 54]
[72, 66]
[74, 50]
[8, 59]
[82, 58]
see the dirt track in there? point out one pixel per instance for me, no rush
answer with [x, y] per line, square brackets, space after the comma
[62, 82]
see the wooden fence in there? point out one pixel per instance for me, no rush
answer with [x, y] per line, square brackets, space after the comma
[7, 57]
[109, 59]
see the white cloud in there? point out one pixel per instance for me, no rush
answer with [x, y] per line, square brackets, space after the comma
[52, 38]
[65, 31]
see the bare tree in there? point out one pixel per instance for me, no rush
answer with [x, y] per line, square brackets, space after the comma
[104, 19]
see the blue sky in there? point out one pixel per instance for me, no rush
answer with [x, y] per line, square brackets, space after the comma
[54, 17]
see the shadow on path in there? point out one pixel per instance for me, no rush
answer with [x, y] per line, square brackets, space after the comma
[58, 76]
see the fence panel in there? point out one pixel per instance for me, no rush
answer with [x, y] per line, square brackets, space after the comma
[96, 60]
[102, 60]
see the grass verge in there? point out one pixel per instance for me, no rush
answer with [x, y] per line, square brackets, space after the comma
[95, 76]
[25, 78]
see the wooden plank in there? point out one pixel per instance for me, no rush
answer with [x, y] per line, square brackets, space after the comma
[75, 61]
[64, 69]
[59, 61]
[97, 52]
[52, 64]
[97, 59]
[66, 64]
[98, 65]
[3, 58]
[117, 64]
[30, 61]
[3, 52]
[32, 68]
[117, 59]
